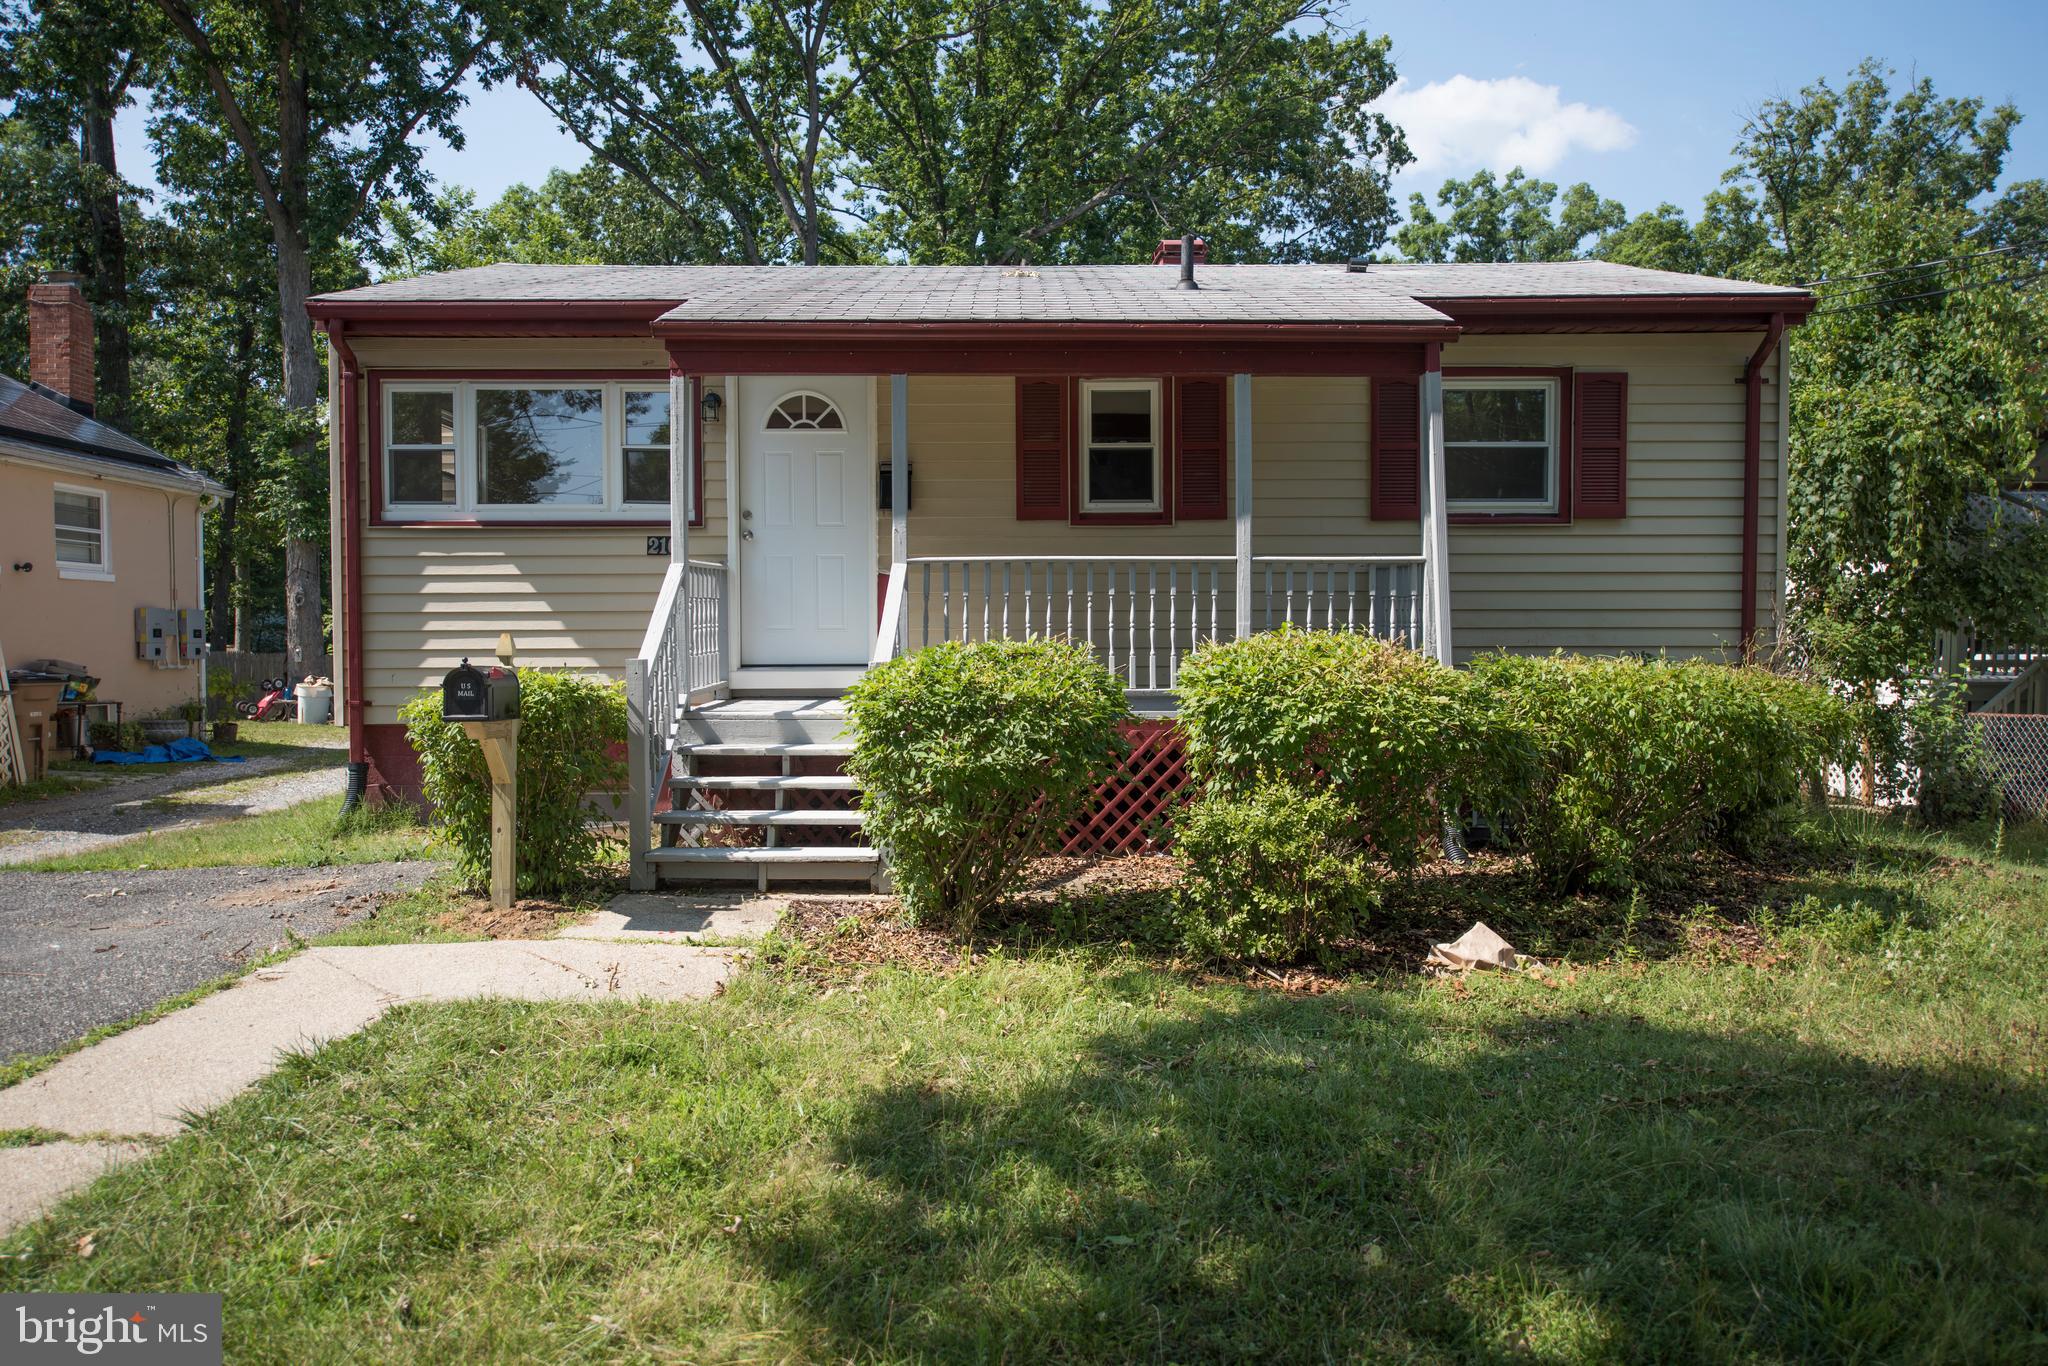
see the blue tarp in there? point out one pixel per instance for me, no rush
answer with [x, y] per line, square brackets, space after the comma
[186, 751]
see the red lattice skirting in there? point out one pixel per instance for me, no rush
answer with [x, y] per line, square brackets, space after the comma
[1131, 811]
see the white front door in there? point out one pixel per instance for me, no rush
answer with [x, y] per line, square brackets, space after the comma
[807, 520]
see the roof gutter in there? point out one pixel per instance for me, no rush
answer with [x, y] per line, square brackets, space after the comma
[1752, 473]
[18, 450]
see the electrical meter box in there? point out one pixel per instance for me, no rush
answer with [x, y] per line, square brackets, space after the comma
[156, 636]
[191, 632]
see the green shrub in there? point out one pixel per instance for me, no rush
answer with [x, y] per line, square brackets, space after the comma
[1394, 734]
[972, 758]
[568, 726]
[1951, 780]
[1272, 872]
[1640, 762]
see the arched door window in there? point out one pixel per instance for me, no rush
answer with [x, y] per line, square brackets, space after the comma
[805, 413]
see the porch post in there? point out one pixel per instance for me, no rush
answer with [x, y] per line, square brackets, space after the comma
[1241, 408]
[1436, 527]
[682, 463]
[899, 470]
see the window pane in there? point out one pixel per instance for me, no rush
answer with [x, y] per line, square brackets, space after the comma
[1480, 474]
[78, 510]
[1496, 414]
[1119, 415]
[423, 477]
[647, 417]
[422, 419]
[78, 547]
[1120, 474]
[647, 475]
[541, 446]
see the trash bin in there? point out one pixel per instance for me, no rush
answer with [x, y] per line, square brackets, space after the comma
[316, 703]
[35, 718]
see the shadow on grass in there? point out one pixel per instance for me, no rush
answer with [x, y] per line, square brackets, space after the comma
[1341, 1177]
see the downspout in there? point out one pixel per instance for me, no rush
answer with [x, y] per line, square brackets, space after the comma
[1752, 474]
[351, 574]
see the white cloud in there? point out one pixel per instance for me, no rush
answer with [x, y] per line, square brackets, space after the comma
[1465, 123]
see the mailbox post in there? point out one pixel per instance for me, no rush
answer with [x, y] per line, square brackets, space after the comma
[485, 702]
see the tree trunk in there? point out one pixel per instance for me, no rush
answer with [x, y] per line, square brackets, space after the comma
[109, 268]
[303, 561]
[230, 558]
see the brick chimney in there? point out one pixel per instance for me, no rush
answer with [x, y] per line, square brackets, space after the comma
[60, 339]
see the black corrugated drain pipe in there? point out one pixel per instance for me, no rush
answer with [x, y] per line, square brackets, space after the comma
[358, 783]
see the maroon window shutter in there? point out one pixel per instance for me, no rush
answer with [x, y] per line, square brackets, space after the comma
[1204, 465]
[1600, 457]
[1041, 450]
[1396, 450]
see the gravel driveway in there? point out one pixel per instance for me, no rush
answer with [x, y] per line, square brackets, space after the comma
[80, 950]
[133, 806]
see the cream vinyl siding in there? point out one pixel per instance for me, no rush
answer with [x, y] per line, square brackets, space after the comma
[573, 597]
[1666, 577]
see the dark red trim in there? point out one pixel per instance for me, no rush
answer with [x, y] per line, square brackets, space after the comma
[1563, 377]
[1217, 507]
[1033, 457]
[1169, 456]
[1654, 310]
[1025, 349]
[353, 674]
[498, 312]
[653, 379]
[1752, 473]
[955, 333]
[1595, 451]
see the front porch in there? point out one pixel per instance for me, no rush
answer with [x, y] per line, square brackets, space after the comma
[700, 699]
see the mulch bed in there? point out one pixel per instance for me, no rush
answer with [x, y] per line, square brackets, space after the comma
[1707, 914]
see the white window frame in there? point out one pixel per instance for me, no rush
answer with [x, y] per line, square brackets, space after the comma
[103, 572]
[468, 505]
[1552, 389]
[619, 447]
[1089, 503]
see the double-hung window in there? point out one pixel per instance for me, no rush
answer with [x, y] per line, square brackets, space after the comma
[525, 451]
[81, 525]
[1120, 468]
[1501, 445]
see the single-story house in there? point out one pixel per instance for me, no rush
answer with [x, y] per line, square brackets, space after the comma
[102, 535]
[737, 487]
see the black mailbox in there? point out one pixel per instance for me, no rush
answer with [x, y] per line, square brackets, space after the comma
[472, 694]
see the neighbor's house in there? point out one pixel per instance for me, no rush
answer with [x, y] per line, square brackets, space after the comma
[862, 459]
[100, 536]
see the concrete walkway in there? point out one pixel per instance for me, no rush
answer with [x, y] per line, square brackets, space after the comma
[145, 1083]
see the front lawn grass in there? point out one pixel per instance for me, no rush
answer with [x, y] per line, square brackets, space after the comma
[311, 834]
[1827, 1143]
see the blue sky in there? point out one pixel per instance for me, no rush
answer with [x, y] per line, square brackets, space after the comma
[1643, 100]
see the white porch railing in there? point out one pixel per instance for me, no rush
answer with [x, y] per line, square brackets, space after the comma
[681, 659]
[1143, 616]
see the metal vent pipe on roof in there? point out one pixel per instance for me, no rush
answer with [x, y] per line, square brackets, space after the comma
[1187, 261]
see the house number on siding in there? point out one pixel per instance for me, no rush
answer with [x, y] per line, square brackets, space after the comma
[657, 545]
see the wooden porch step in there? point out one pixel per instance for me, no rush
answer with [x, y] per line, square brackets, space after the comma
[797, 782]
[798, 854]
[753, 818]
[740, 749]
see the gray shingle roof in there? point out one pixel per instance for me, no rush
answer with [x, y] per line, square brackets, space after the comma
[1229, 293]
[30, 416]
[1555, 279]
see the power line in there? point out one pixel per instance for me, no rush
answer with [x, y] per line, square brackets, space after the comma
[2016, 281]
[2038, 243]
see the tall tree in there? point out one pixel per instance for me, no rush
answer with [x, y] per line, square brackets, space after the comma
[319, 104]
[67, 67]
[1514, 218]
[962, 130]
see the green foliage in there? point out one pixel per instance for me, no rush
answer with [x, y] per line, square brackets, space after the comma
[972, 758]
[1943, 749]
[568, 724]
[1393, 733]
[1638, 763]
[1272, 872]
[1505, 220]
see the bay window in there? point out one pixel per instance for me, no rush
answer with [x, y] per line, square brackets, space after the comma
[506, 450]
[1501, 445]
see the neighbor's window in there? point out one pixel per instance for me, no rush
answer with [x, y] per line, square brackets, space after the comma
[81, 533]
[1500, 445]
[643, 455]
[525, 451]
[1120, 446]
[421, 451]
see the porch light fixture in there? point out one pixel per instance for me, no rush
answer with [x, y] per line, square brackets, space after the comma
[711, 405]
